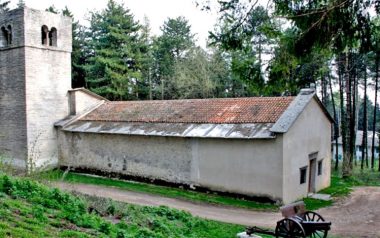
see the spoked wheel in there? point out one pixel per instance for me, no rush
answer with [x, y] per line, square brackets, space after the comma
[312, 216]
[315, 233]
[289, 227]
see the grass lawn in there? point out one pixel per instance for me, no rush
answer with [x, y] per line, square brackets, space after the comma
[160, 190]
[29, 209]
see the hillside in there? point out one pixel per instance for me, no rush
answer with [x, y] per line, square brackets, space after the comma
[30, 209]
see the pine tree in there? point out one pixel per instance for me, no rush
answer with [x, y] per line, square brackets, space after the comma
[113, 69]
[172, 45]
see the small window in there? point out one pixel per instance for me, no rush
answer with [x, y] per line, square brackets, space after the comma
[44, 35]
[9, 28]
[320, 164]
[303, 172]
[3, 37]
[53, 37]
[6, 36]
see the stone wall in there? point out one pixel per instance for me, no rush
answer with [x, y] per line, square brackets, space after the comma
[47, 87]
[13, 133]
[48, 79]
[34, 80]
[250, 167]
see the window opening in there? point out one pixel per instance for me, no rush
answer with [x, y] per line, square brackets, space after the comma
[303, 172]
[53, 37]
[320, 164]
[44, 35]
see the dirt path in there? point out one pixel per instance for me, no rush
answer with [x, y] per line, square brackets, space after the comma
[219, 213]
[355, 216]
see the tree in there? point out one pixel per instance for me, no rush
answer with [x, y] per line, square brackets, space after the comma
[220, 73]
[21, 3]
[52, 9]
[79, 53]
[246, 43]
[4, 6]
[375, 24]
[114, 64]
[343, 26]
[193, 75]
[172, 45]
[147, 62]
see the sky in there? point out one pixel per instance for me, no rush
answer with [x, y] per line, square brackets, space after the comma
[157, 12]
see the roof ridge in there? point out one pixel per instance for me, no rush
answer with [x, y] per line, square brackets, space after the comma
[201, 99]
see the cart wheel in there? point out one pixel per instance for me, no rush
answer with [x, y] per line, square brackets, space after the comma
[313, 216]
[289, 227]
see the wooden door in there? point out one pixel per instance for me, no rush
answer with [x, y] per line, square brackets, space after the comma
[312, 174]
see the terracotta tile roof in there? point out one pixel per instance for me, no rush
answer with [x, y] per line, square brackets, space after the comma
[215, 111]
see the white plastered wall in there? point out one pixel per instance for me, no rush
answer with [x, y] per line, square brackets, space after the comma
[47, 81]
[310, 133]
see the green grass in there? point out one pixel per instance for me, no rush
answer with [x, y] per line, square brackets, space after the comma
[339, 187]
[29, 209]
[178, 193]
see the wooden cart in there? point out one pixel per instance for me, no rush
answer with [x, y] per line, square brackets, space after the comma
[297, 222]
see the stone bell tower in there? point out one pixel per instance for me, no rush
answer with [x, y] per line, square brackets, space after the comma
[35, 76]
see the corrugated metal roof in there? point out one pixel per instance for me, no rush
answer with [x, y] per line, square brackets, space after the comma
[237, 131]
[206, 111]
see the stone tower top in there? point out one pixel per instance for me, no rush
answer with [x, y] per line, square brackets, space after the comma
[33, 28]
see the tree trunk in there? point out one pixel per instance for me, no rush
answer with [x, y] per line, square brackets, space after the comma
[150, 85]
[343, 122]
[162, 89]
[355, 112]
[364, 138]
[374, 114]
[324, 90]
[336, 126]
[347, 154]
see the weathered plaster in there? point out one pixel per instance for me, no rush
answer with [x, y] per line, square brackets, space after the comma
[310, 133]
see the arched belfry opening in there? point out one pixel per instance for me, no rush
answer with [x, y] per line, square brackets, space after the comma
[9, 28]
[5, 36]
[53, 37]
[44, 35]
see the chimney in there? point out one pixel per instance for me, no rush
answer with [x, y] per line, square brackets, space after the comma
[307, 91]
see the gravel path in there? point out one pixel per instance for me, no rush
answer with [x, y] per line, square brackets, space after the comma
[358, 215]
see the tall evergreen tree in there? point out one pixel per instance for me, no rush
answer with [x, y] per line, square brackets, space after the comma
[247, 43]
[147, 85]
[79, 53]
[113, 68]
[172, 45]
